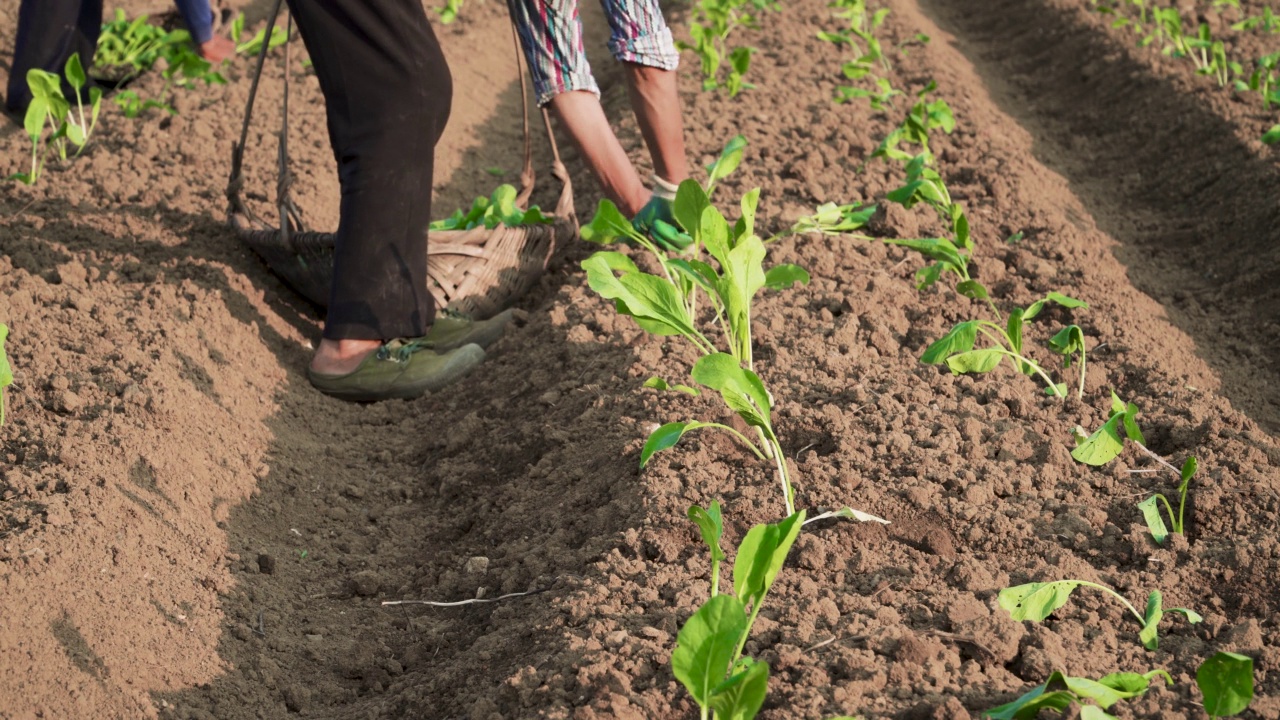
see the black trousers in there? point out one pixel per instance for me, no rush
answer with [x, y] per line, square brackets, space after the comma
[49, 33]
[388, 92]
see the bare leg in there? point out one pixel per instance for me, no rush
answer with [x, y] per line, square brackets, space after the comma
[339, 357]
[584, 118]
[656, 101]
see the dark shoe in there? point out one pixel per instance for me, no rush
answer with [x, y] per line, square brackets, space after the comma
[452, 329]
[400, 369]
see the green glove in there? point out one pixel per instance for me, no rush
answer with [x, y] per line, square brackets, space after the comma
[657, 220]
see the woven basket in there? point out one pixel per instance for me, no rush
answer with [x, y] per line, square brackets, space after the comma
[479, 272]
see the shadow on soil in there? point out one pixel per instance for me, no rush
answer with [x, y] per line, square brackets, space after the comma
[1192, 207]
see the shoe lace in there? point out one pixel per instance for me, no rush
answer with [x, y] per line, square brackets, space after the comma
[404, 350]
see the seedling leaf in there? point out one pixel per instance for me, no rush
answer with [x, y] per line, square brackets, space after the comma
[608, 225]
[1155, 523]
[711, 526]
[1037, 600]
[1189, 469]
[975, 361]
[760, 557]
[6, 372]
[1102, 446]
[664, 437]
[728, 161]
[1151, 620]
[1226, 681]
[658, 383]
[972, 289]
[741, 696]
[781, 277]
[1272, 136]
[705, 646]
[959, 339]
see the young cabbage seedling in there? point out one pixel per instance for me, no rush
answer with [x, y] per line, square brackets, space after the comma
[80, 131]
[1070, 341]
[490, 212]
[1226, 682]
[1106, 442]
[1060, 692]
[1037, 601]
[956, 348]
[1151, 511]
[708, 657]
[744, 394]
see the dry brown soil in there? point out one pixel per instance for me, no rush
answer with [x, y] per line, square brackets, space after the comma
[187, 530]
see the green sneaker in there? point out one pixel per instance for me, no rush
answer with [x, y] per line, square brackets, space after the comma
[400, 369]
[453, 329]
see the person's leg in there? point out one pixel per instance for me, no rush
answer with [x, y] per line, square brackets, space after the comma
[641, 40]
[49, 32]
[551, 36]
[387, 92]
[655, 98]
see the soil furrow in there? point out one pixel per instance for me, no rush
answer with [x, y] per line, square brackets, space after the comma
[1162, 165]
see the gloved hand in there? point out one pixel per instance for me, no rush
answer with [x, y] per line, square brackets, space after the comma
[657, 220]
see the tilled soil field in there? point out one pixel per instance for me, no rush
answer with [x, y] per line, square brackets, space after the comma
[188, 530]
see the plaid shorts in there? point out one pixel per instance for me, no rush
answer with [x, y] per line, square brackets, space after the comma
[551, 35]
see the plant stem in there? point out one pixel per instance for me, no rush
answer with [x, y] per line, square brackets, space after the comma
[737, 434]
[1177, 527]
[782, 475]
[1083, 362]
[742, 642]
[1118, 596]
[715, 578]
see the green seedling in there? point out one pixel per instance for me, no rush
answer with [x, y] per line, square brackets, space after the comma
[708, 657]
[1263, 81]
[1268, 21]
[711, 24]
[132, 105]
[923, 118]
[490, 212]
[128, 48]
[956, 348]
[1070, 341]
[1272, 136]
[80, 131]
[450, 11]
[6, 372]
[253, 45]
[1106, 442]
[832, 219]
[1226, 682]
[1151, 511]
[1060, 692]
[48, 103]
[745, 394]
[880, 98]
[1038, 600]
[725, 163]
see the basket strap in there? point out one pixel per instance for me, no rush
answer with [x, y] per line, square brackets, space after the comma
[564, 207]
[235, 183]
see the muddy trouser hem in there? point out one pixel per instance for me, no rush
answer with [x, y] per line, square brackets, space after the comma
[388, 92]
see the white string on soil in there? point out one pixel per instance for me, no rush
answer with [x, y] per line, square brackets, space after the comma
[460, 603]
